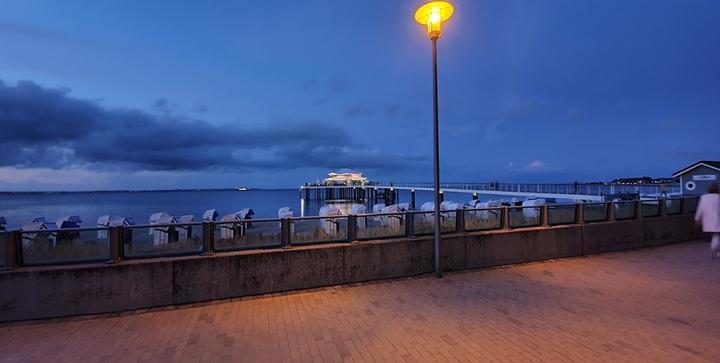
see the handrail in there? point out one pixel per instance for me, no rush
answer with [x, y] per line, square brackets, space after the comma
[117, 236]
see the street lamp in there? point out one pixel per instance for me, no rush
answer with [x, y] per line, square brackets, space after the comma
[432, 15]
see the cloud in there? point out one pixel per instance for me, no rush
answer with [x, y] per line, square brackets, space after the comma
[339, 85]
[392, 109]
[47, 128]
[574, 114]
[357, 111]
[536, 164]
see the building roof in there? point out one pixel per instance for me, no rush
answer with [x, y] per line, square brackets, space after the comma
[710, 164]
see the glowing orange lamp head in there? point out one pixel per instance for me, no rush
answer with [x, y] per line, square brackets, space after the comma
[433, 14]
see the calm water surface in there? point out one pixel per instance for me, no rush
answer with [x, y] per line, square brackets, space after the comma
[18, 208]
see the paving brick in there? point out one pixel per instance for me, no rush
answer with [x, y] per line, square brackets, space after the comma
[650, 305]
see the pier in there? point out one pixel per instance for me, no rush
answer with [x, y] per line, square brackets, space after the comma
[575, 191]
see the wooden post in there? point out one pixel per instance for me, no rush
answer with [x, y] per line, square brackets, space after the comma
[580, 213]
[611, 211]
[352, 228]
[116, 238]
[638, 209]
[459, 220]
[285, 232]
[208, 237]
[409, 224]
[544, 216]
[13, 250]
[505, 217]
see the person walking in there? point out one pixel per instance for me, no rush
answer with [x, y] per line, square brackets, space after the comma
[708, 216]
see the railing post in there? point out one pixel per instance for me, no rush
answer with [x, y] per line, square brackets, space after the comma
[580, 213]
[545, 218]
[505, 217]
[13, 250]
[409, 224]
[208, 237]
[682, 205]
[638, 209]
[116, 243]
[611, 211]
[285, 227]
[352, 228]
[459, 220]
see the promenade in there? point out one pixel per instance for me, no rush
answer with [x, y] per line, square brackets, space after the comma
[649, 305]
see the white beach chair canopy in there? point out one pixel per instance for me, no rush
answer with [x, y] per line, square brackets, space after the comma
[210, 215]
[358, 209]
[155, 218]
[69, 222]
[188, 218]
[330, 211]
[285, 212]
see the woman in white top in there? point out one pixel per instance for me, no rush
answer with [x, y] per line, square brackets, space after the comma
[708, 215]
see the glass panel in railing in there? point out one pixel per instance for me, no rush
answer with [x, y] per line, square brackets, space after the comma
[673, 206]
[424, 222]
[247, 234]
[595, 212]
[483, 219]
[562, 214]
[624, 209]
[525, 216]
[4, 238]
[162, 240]
[381, 226]
[650, 208]
[691, 204]
[319, 230]
[64, 246]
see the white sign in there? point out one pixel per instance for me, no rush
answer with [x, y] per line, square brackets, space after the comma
[705, 177]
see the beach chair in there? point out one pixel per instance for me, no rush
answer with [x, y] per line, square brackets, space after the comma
[532, 212]
[286, 212]
[165, 233]
[392, 220]
[235, 224]
[330, 225]
[39, 231]
[359, 209]
[184, 230]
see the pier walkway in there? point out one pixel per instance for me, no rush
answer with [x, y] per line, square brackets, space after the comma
[649, 305]
[587, 192]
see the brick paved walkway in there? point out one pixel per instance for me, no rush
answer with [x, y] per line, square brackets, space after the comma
[659, 304]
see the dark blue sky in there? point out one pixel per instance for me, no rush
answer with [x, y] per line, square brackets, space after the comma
[165, 94]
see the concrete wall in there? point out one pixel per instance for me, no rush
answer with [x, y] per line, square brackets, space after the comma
[42, 292]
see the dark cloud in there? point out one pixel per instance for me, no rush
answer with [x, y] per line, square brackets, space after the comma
[309, 84]
[339, 85]
[357, 111]
[48, 128]
[392, 109]
[160, 103]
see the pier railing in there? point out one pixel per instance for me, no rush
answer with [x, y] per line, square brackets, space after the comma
[591, 189]
[113, 244]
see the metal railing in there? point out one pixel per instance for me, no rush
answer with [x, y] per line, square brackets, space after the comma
[113, 244]
[566, 188]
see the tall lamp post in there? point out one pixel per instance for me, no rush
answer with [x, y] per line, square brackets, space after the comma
[432, 15]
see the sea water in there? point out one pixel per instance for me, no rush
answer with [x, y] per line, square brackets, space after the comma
[18, 208]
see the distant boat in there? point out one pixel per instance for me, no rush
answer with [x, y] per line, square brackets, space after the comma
[242, 189]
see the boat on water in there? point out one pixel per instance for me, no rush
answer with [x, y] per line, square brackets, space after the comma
[242, 189]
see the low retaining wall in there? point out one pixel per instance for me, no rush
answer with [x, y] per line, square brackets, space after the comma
[44, 292]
